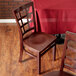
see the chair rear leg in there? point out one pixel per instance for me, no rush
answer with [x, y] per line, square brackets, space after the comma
[39, 63]
[54, 52]
[21, 54]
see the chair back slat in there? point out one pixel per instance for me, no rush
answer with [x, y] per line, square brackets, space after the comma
[25, 18]
[28, 30]
[26, 23]
[69, 60]
[70, 68]
[21, 21]
[22, 17]
[71, 36]
[72, 49]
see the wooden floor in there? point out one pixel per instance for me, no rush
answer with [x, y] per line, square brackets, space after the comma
[9, 55]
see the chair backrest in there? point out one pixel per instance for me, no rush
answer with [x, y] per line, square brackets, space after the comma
[69, 60]
[25, 18]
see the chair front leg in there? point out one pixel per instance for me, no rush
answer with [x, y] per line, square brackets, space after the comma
[21, 53]
[39, 63]
[54, 52]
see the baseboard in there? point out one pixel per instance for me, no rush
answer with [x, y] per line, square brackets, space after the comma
[10, 20]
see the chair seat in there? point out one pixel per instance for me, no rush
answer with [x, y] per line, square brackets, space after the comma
[38, 41]
[58, 73]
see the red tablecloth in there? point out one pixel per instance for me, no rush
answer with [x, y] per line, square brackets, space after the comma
[56, 16]
[55, 4]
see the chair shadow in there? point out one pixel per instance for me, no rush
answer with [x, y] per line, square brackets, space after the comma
[27, 59]
[45, 71]
[50, 70]
[58, 58]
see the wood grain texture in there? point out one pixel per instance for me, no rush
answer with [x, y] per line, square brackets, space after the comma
[9, 55]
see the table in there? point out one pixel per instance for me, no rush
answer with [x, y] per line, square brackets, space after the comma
[56, 16]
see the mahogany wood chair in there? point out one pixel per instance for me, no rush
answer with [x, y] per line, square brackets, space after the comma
[67, 47]
[37, 42]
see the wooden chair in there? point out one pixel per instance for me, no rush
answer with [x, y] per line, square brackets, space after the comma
[37, 42]
[64, 64]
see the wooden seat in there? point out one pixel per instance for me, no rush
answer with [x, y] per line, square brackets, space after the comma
[72, 67]
[39, 41]
[36, 42]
